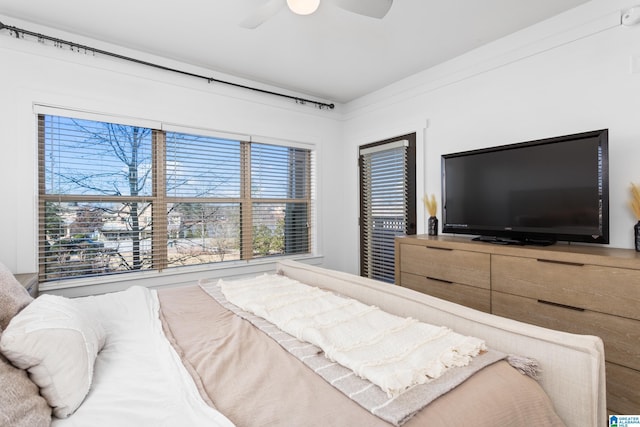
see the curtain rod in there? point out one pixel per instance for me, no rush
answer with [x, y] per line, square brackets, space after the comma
[18, 32]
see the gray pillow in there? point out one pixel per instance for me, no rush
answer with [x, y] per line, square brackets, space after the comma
[13, 296]
[20, 401]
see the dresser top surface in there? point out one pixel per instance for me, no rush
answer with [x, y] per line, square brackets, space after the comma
[569, 252]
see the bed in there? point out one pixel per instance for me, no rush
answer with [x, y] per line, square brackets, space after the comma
[196, 355]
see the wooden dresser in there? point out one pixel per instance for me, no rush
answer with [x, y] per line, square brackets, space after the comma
[574, 288]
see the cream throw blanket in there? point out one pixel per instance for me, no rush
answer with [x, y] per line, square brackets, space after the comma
[392, 352]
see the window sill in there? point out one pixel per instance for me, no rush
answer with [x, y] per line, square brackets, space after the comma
[179, 276]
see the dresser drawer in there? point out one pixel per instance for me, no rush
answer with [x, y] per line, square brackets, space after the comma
[623, 393]
[470, 296]
[621, 336]
[451, 265]
[603, 289]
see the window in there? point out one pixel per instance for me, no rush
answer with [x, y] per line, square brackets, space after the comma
[121, 198]
[387, 203]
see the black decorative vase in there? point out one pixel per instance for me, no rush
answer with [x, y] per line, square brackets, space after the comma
[432, 228]
[636, 235]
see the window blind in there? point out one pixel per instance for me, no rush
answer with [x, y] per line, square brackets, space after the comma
[281, 199]
[387, 204]
[118, 198]
[204, 179]
[95, 204]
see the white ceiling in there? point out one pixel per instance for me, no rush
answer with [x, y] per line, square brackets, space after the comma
[333, 54]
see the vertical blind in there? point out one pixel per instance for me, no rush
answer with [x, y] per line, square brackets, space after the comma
[386, 205]
[118, 198]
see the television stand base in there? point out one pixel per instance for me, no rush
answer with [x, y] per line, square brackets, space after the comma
[507, 241]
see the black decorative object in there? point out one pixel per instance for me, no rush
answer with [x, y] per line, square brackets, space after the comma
[636, 233]
[432, 228]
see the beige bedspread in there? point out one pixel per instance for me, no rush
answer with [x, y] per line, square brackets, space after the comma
[254, 382]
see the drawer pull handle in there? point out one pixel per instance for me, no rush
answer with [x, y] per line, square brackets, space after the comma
[440, 280]
[553, 261]
[438, 248]
[555, 304]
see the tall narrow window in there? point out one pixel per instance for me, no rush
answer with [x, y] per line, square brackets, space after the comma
[387, 203]
[115, 198]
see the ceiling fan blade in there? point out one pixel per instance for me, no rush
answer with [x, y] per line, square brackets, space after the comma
[262, 13]
[372, 8]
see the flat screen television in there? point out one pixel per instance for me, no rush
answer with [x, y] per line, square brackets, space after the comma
[535, 192]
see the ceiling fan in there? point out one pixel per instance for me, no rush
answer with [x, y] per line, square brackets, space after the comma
[371, 8]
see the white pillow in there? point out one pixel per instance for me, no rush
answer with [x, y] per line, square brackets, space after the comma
[57, 343]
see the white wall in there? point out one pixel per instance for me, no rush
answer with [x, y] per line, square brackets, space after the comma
[33, 73]
[566, 75]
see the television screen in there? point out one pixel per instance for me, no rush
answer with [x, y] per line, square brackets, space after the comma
[534, 192]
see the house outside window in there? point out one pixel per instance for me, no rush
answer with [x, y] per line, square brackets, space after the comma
[118, 198]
